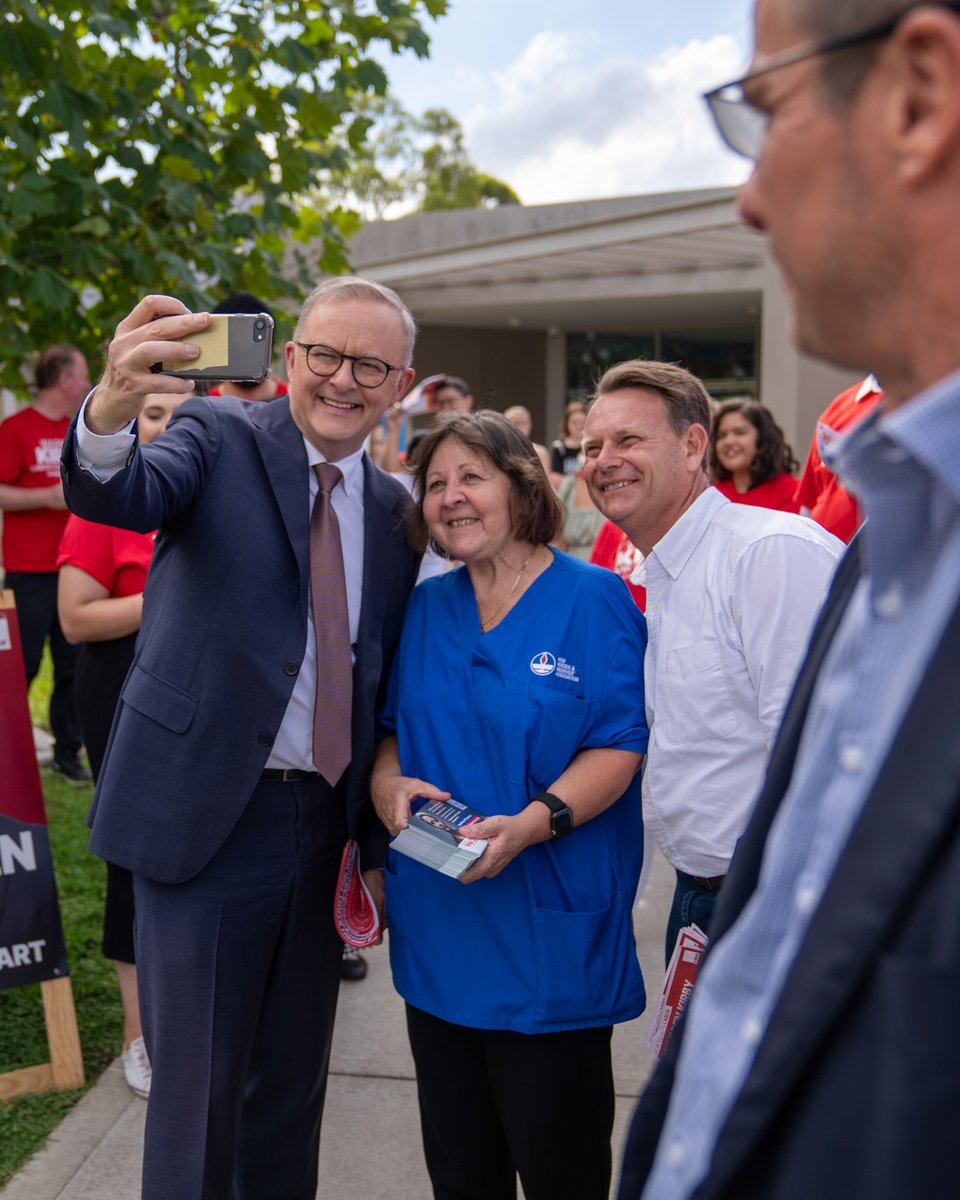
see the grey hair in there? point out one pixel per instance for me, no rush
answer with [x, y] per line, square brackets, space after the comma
[353, 287]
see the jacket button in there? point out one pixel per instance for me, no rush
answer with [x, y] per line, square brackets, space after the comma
[291, 668]
[265, 739]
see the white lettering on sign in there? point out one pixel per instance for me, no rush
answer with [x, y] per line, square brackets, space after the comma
[12, 854]
[22, 954]
[5, 640]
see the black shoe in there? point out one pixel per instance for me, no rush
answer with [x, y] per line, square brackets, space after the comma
[353, 965]
[71, 768]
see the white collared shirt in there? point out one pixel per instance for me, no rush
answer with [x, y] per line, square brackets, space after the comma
[732, 594]
[104, 455]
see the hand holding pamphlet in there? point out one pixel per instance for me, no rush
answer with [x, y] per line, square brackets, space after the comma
[677, 987]
[433, 837]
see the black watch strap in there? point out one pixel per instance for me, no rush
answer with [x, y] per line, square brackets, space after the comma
[561, 818]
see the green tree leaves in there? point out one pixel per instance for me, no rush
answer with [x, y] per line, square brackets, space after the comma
[168, 145]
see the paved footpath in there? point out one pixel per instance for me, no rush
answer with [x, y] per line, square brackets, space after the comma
[371, 1134]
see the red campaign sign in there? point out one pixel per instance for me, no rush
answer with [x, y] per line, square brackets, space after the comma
[31, 936]
[20, 793]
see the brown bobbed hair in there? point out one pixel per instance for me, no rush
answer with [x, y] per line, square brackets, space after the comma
[773, 456]
[536, 513]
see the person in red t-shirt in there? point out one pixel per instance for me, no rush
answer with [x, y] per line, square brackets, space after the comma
[749, 459]
[103, 572]
[819, 493]
[614, 550]
[31, 497]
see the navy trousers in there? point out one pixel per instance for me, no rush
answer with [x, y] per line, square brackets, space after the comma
[239, 970]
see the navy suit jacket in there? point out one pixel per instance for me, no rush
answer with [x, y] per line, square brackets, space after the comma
[225, 629]
[855, 1090]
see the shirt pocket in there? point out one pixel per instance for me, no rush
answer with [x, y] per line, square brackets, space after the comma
[585, 964]
[692, 696]
[554, 724]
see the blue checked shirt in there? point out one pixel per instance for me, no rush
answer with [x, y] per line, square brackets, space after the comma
[904, 466]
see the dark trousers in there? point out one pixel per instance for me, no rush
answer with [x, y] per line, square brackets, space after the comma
[238, 970]
[36, 595]
[693, 904]
[495, 1103]
[101, 669]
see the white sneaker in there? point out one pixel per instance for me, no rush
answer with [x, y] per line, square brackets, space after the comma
[136, 1067]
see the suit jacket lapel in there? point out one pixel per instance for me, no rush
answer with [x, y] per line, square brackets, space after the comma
[898, 835]
[285, 458]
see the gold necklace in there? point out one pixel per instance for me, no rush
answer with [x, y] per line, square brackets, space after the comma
[485, 625]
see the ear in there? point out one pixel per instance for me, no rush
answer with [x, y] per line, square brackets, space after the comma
[924, 94]
[695, 444]
[290, 352]
[405, 378]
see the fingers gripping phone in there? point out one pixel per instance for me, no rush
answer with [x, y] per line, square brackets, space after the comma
[236, 346]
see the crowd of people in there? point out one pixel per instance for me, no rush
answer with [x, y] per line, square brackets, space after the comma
[776, 711]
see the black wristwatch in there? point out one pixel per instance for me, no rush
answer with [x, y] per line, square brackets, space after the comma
[561, 818]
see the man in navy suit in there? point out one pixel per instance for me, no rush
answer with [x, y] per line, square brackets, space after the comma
[820, 1055]
[210, 792]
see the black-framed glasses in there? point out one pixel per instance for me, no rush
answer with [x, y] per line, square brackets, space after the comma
[325, 361]
[742, 125]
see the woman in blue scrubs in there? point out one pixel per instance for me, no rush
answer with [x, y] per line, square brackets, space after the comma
[517, 689]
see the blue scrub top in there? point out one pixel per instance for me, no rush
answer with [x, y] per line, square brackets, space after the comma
[494, 719]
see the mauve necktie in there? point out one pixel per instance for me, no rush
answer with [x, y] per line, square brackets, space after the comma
[331, 623]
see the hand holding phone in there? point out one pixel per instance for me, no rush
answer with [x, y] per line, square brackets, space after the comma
[234, 346]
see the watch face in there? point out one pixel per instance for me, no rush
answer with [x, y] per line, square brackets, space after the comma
[561, 823]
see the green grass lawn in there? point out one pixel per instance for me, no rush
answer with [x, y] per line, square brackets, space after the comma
[25, 1123]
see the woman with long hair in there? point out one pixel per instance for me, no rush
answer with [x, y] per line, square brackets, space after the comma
[750, 461]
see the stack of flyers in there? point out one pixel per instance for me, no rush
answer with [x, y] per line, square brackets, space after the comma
[432, 837]
[677, 987]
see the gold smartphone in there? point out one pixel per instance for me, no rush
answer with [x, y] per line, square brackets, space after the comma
[236, 346]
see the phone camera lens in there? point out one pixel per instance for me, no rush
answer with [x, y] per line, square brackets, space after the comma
[260, 325]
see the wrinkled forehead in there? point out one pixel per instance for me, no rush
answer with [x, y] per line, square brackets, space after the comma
[637, 409]
[369, 326]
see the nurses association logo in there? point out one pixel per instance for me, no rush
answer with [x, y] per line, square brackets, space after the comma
[543, 663]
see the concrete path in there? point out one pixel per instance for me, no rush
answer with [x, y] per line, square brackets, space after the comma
[371, 1134]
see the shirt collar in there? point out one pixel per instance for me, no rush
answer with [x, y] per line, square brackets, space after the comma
[351, 468]
[682, 538]
[869, 387]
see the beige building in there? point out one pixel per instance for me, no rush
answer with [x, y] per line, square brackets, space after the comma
[529, 304]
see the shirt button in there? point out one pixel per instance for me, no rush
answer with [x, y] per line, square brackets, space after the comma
[676, 1153]
[889, 604]
[852, 757]
[806, 899]
[290, 668]
[751, 1031]
[265, 739]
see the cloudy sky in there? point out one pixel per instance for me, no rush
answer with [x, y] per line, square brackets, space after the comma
[579, 99]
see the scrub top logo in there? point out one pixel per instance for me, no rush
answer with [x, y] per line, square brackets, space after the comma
[543, 663]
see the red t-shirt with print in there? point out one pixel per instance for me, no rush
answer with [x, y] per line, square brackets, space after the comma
[614, 550]
[30, 446]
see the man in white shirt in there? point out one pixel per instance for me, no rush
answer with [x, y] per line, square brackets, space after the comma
[732, 593]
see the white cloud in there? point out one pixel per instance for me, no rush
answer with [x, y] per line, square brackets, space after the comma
[565, 128]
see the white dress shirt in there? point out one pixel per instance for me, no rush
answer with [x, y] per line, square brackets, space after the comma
[104, 455]
[732, 594]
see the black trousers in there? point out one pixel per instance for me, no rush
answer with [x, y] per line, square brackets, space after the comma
[238, 971]
[494, 1104]
[101, 670]
[36, 595]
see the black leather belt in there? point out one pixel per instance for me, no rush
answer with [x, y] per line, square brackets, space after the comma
[714, 884]
[285, 775]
